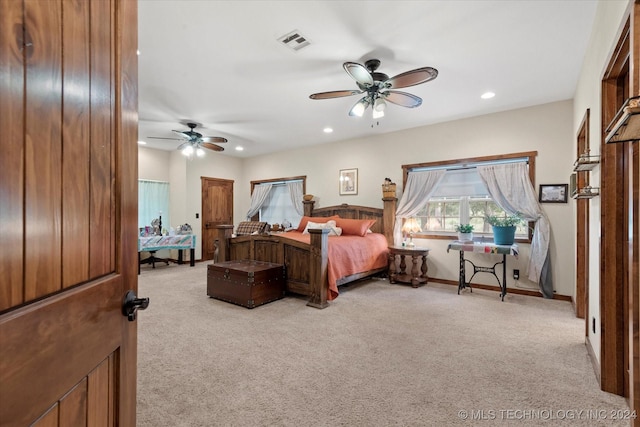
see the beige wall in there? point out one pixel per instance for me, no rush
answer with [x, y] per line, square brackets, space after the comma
[608, 21]
[545, 128]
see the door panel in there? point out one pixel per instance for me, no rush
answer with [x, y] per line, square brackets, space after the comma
[43, 146]
[11, 172]
[76, 123]
[68, 212]
[217, 208]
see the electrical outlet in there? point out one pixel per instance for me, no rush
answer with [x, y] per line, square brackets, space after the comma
[516, 274]
[197, 215]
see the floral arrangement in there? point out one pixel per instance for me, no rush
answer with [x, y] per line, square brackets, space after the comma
[464, 228]
[508, 221]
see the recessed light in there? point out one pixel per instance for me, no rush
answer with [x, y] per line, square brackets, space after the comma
[239, 148]
[142, 143]
[327, 130]
[487, 95]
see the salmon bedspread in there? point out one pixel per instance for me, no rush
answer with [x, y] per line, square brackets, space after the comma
[349, 255]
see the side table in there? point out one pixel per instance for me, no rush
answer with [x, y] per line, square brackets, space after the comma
[418, 276]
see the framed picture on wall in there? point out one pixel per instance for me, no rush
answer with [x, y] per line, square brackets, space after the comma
[348, 181]
[553, 193]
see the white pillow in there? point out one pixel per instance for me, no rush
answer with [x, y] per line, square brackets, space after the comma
[329, 225]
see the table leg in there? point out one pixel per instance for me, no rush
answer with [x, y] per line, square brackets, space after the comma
[403, 265]
[461, 275]
[392, 268]
[424, 269]
[180, 260]
[503, 291]
[192, 257]
[414, 271]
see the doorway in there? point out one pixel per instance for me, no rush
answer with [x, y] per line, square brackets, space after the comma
[217, 209]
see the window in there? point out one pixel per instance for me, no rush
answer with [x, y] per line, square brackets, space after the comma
[278, 207]
[153, 201]
[442, 214]
[462, 198]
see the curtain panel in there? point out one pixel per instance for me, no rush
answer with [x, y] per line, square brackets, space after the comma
[258, 197]
[153, 201]
[419, 188]
[511, 188]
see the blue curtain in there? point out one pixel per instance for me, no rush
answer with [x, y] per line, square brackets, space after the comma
[153, 198]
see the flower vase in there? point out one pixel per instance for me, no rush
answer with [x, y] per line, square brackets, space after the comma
[465, 237]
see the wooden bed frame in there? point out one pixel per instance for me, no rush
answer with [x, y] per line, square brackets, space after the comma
[306, 264]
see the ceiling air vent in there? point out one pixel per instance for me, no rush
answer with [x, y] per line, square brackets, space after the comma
[294, 40]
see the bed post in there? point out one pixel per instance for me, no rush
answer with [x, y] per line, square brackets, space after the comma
[221, 236]
[389, 217]
[318, 267]
[308, 207]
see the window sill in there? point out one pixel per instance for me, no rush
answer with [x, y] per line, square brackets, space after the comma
[487, 237]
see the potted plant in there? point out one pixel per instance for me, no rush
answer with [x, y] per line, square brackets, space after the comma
[504, 228]
[465, 232]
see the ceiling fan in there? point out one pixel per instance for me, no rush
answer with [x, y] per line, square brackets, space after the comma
[379, 88]
[194, 142]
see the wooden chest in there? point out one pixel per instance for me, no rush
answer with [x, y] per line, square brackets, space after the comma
[246, 283]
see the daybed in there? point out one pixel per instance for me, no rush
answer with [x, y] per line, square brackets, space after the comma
[309, 269]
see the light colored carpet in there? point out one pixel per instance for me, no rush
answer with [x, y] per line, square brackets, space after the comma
[379, 355]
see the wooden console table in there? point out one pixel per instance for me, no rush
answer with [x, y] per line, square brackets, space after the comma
[483, 248]
[418, 276]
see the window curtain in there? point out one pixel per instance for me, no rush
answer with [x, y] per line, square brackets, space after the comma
[420, 186]
[295, 191]
[153, 198]
[511, 188]
[258, 197]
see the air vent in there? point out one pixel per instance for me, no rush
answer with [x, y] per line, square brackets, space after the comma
[294, 40]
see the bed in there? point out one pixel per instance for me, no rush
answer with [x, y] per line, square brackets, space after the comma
[312, 260]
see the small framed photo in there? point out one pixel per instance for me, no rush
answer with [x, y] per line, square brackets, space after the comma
[348, 181]
[553, 193]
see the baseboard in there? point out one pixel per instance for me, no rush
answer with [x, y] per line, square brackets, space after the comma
[497, 289]
[594, 359]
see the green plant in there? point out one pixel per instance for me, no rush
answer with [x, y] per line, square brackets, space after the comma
[505, 221]
[464, 228]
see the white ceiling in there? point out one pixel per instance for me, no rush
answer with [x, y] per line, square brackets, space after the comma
[218, 63]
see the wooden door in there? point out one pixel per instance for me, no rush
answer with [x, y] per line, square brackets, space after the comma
[68, 211]
[217, 208]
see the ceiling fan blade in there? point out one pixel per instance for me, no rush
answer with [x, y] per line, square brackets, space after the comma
[334, 94]
[213, 147]
[184, 134]
[184, 144]
[217, 139]
[157, 137]
[412, 78]
[359, 73]
[402, 98]
[359, 107]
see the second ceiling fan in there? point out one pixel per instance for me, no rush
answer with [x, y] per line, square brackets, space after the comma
[379, 88]
[194, 142]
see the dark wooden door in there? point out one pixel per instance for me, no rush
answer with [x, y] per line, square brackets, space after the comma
[68, 211]
[217, 208]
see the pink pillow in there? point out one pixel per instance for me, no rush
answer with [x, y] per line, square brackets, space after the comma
[356, 227]
[316, 219]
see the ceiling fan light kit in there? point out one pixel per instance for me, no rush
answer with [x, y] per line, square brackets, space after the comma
[379, 88]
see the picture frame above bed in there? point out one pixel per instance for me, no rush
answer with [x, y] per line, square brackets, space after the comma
[348, 181]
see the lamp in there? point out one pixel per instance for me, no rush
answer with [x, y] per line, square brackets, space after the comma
[378, 108]
[411, 226]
